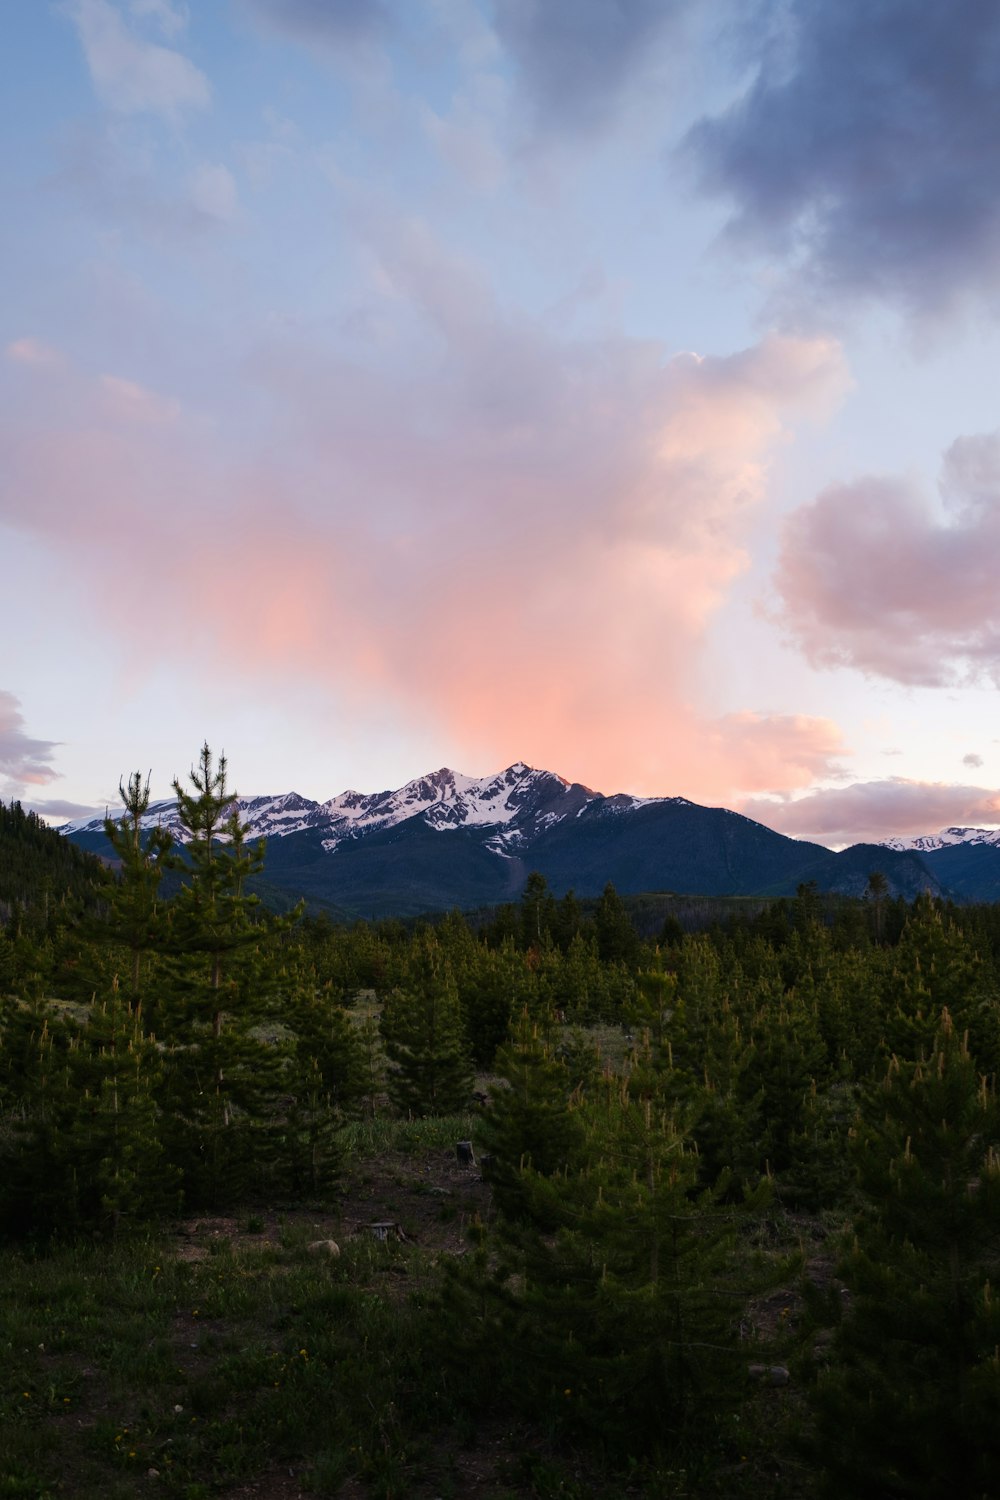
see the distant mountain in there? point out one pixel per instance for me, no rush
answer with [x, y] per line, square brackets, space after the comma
[965, 860]
[451, 840]
[929, 843]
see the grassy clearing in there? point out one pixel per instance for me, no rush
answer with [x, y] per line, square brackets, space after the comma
[383, 1135]
[258, 1369]
[228, 1359]
[118, 1363]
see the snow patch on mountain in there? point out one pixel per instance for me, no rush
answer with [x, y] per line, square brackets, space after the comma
[448, 800]
[266, 817]
[517, 803]
[927, 842]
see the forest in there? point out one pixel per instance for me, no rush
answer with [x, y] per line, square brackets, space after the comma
[709, 1210]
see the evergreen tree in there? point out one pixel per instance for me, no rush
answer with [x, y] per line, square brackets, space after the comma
[133, 917]
[538, 912]
[617, 939]
[86, 1151]
[531, 1122]
[430, 1072]
[225, 1077]
[492, 985]
[909, 1407]
[611, 1309]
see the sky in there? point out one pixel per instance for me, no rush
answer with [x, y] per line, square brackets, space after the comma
[610, 385]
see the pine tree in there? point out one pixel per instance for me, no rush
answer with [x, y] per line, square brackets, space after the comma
[617, 939]
[134, 918]
[538, 912]
[212, 917]
[490, 988]
[225, 1077]
[531, 1124]
[430, 1072]
[610, 1310]
[909, 1407]
[86, 1149]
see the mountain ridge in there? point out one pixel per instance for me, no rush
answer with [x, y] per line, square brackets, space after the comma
[450, 840]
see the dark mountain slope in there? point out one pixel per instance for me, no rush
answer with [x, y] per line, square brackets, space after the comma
[668, 846]
[846, 873]
[970, 872]
[399, 871]
[38, 865]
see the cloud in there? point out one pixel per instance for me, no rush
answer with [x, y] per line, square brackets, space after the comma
[870, 811]
[29, 351]
[170, 16]
[866, 149]
[519, 538]
[23, 761]
[120, 182]
[777, 750]
[577, 57]
[872, 576]
[131, 75]
[61, 811]
[127, 401]
[213, 193]
[333, 23]
[465, 139]
[972, 761]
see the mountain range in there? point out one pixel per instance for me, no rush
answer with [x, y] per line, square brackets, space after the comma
[447, 840]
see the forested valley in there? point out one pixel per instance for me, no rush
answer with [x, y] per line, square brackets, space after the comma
[530, 1201]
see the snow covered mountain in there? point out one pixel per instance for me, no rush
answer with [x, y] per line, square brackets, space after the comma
[945, 839]
[966, 861]
[448, 840]
[514, 806]
[266, 817]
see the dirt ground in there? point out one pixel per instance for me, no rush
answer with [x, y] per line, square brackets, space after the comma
[430, 1198]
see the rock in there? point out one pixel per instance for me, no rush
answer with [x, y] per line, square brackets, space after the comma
[324, 1247]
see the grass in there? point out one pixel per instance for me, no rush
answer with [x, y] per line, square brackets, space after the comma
[383, 1135]
[120, 1362]
[132, 1365]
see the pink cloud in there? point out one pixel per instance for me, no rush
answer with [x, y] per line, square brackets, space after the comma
[23, 761]
[523, 546]
[30, 351]
[867, 812]
[127, 401]
[871, 576]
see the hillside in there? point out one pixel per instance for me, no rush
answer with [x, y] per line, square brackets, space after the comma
[37, 866]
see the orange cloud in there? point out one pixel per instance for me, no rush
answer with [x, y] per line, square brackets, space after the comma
[526, 550]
